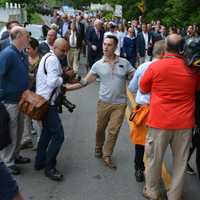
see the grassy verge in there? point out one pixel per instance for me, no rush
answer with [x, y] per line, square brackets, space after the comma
[36, 19]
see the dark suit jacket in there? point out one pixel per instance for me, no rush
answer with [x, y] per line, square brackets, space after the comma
[61, 27]
[4, 43]
[81, 30]
[92, 39]
[141, 45]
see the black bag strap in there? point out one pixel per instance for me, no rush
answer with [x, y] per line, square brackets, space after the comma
[45, 71]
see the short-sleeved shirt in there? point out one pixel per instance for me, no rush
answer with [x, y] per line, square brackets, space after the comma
[172, 85]
[134, 85]
[112, 81]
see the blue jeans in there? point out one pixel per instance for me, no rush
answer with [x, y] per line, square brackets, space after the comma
[8, 186]
[51, 139]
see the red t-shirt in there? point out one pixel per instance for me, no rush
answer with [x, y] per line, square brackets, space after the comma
[172, 86]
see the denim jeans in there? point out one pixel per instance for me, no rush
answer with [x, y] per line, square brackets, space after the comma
[51, 139]
[139, 154]
[8, 186]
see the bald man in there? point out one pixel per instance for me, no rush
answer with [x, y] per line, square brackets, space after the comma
[172, 86]
[48, 83]
[14, 81]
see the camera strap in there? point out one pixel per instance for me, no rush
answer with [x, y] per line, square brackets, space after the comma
[45, 71]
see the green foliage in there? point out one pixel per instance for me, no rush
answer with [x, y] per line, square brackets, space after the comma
[173, 12]
[108, 15]
[35, 19]
[170, 12]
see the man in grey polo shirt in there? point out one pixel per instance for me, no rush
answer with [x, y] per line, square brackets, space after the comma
[112, 72]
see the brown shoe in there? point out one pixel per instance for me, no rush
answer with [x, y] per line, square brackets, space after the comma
[147, 196]
[108, 162]
[98, 153]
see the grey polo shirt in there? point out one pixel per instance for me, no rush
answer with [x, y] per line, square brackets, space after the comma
[112, 79]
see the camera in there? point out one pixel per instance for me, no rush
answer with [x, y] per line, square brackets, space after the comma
[192, 52]
[69, 76]
[61, 100]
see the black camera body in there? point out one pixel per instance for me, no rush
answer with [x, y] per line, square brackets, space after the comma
[192, 52]
[61, 100]
[68, 77]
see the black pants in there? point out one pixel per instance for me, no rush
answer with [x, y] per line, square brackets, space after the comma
[139, 155]
[196, 145]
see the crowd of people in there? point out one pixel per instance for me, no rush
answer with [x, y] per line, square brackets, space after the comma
[147, 54]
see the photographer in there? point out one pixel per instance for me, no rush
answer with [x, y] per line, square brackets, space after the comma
[48, 82]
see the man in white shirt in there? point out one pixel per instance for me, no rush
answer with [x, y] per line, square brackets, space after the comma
[48, 82]
[144, 45]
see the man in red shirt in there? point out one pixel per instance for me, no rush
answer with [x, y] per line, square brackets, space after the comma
[172, 86]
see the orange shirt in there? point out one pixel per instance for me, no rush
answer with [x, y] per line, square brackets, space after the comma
[172, 86]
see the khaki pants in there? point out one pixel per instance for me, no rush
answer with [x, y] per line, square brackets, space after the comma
[27, 135]
[73, 58]
[156, 144]
[109, 116]
[11, 152]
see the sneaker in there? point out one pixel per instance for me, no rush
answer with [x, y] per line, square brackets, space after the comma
[14, 170]
[139, 176]
[26, 145]
[22, 160]
[54, 174]
[189, 170]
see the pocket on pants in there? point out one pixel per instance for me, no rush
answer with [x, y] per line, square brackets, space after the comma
[149, 148]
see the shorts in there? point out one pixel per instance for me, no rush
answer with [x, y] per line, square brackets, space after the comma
[8, 186]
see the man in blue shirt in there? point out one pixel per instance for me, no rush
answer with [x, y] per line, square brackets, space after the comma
[5, 39]
[142, 100]
[13, 82]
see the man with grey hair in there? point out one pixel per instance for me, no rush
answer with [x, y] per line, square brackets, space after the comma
[94, 40]
[172, 85]
[13, 82]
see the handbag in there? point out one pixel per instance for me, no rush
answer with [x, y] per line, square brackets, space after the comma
[140, 113]
[5, 138]
[33, 105]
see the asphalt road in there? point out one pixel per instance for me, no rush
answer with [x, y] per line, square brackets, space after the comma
[86, 177]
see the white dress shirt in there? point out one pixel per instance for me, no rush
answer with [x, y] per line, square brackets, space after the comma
[65, 28]
[73, 39]
[146, 39]
[46, 83]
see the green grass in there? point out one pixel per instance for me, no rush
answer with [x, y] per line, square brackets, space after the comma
[36, 19]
